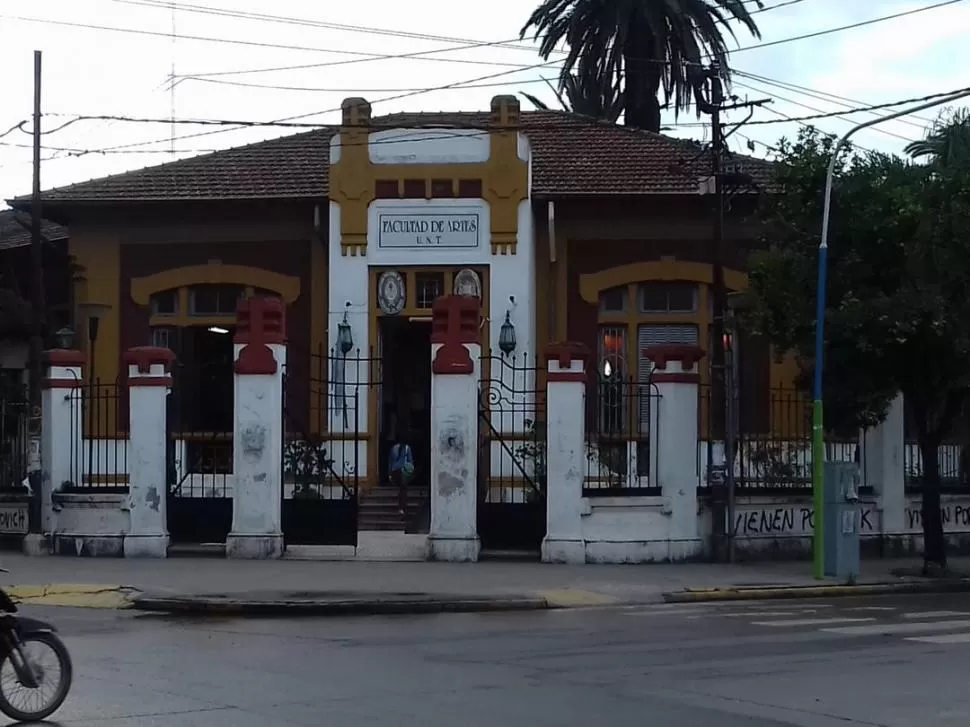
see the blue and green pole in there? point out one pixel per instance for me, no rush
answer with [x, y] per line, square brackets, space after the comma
[818, 417]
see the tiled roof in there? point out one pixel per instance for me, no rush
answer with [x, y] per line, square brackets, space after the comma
[13, 234]
[572, 156]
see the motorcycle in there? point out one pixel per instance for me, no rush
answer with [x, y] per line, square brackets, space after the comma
[44, 685]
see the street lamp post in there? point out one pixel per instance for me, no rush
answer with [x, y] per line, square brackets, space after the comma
[818, 421]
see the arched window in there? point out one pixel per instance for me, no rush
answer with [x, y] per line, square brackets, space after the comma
[632, 318]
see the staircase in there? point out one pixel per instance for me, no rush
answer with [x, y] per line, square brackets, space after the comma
[379, 509]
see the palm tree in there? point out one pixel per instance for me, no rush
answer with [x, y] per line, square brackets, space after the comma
[645, 46]
[947, 142]
[586, 98]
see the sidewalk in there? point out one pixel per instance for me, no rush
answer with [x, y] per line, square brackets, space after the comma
[227, 585]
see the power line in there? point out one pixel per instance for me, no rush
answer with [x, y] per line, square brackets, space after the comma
[775, 7]
[841, 28]
[76, 151]
[874, 107]
[395, 97]
[793, 119]
[307, 22]
[317, 89]
[18, 125]
[823, 95]
[263, 44]
[420, 55]
[839, 114]
[369, 30]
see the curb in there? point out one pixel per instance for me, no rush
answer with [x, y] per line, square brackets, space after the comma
[833, 591]
[109, 597]
[218, 606]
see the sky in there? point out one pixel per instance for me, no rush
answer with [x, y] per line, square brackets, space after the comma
[467, 55]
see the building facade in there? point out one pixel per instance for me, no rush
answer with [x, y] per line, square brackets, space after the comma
[563, 229]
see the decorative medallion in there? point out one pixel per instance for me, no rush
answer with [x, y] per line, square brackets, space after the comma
[391, 293]
[467, 283]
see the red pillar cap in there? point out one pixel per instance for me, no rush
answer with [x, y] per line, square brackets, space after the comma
[64, 357]
[687, 354]
[565, 352]
[144, 357]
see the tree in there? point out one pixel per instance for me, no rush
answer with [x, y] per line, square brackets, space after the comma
[948, 141]
[642, 47]
[585, 94]
[899, 257]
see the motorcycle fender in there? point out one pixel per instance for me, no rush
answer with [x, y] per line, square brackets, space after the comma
[28, 626]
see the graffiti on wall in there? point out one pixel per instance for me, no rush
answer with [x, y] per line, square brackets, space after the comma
[790, 521]
[782, 520]
[955, 516]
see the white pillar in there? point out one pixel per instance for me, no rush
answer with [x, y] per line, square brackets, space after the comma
[674, 441]
[883, 467]
[61, 437]
[149, 381]
[257, 440]
[455, 361]
[565, 452]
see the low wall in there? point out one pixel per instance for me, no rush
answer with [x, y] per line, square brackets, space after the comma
[782, 527]
[635, 530]
[90, 524]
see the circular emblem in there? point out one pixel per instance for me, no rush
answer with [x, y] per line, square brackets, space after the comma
[468, 284]
[391, 293]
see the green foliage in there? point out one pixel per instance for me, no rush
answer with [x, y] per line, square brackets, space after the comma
[876, 214]
[643, 48]
[309, 467]
[530, 458]
[899, 261]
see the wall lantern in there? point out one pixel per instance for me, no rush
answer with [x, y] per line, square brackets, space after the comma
[345, 336]
[506, 336]
[607, 369]
[64, 337]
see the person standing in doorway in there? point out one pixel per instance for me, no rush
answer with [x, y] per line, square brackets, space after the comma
[400, 468]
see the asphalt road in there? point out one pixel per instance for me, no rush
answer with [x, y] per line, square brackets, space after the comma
[894, 662]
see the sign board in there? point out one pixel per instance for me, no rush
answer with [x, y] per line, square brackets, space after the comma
[442, 227]
[13, 519]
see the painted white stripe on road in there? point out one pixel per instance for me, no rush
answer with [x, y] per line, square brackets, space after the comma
[872, 608]
[899, 628]
[960, 638]
[748, 614]
[935, 614]
[810, 622]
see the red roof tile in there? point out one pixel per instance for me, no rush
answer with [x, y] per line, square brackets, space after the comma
[572, 156]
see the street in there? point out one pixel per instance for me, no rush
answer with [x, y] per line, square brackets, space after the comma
[890, 661]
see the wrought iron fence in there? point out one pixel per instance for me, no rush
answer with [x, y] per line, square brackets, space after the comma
[14, 438]
[100, 457]
[512, 465]
[951, 461]
[200, 453]
[623, 418]
[774, 457]
[325, 421]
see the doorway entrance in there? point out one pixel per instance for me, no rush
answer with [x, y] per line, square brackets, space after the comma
[200, 424]
[405, 408]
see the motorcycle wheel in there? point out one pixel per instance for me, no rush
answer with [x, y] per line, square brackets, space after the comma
[37, 704]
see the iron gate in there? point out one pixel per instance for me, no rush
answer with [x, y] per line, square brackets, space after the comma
[325, 447]
[199, 454]
[512, 462]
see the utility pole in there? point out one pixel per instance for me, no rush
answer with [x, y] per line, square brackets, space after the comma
[37, 307]
[722, 413]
